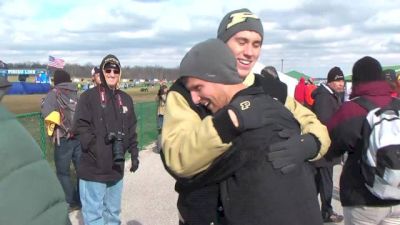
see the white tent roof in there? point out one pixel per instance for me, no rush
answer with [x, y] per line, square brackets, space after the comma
[288, 80]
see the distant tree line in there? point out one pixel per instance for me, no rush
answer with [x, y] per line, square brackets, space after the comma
[84, 71]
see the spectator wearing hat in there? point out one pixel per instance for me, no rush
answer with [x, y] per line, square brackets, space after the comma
[360, 206]
[58, 108]
[254, 191]
[326, 102]
[391, 78]
[106, 127]
[30, 191]
[96, 76]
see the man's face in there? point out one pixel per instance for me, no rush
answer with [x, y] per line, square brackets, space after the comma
[246, 47]
[337, 86]
[211, 95]
[112, 76]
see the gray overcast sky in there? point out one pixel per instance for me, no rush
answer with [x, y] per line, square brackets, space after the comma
[310, 36]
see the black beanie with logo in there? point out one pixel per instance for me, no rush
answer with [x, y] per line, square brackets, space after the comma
[335, 74]
[239, 20]
[211, 61]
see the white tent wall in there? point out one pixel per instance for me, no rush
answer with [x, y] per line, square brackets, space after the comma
[288, 80]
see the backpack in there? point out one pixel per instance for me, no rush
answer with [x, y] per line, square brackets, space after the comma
[67, 101]
[380, 159]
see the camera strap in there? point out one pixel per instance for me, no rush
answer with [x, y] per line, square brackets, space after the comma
[118, 113]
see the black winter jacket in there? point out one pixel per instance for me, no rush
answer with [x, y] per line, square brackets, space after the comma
[94, 119]
[345, 129]
[326, 103]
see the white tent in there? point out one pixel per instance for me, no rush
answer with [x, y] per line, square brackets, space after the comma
[288, 80]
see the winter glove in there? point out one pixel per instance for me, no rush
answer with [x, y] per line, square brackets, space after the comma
[253, 111]
[286, 155]
[134, 165]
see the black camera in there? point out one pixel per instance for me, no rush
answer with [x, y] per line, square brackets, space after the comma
[116, 139]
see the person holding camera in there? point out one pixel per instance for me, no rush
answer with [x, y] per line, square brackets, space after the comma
[106, 127]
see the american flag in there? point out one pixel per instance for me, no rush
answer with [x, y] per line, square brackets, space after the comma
[56, 62]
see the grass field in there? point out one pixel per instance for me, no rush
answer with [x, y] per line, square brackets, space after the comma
[31, 103]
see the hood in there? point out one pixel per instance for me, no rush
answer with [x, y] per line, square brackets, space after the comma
[109, 59]
[302, 80]
[373, 88]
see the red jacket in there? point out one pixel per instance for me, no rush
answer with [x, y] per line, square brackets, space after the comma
[300, 90]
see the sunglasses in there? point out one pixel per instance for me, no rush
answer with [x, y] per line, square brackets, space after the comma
[109, 71]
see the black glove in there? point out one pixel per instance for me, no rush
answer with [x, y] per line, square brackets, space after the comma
[253, 111]
[134, 165]
[286, 155]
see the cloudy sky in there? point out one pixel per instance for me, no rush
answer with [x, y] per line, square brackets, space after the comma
[310, 36]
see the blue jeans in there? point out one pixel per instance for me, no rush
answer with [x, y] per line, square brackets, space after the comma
[160, 120]
[101, 202]
[68, 150]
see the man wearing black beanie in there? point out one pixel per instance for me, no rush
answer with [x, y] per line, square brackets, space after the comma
[190, 140]
[360, 206]
[327, 101]
[58, 108]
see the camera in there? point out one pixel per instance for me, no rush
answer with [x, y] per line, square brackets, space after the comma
[116, 139]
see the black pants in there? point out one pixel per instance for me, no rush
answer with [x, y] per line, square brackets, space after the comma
[324, 182]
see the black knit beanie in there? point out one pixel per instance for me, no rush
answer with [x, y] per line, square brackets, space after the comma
[335, 74]
[61, 76]
[239, 20]
[367, 69]
[211, 61]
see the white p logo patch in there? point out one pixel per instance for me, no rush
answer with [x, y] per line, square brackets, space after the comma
[245, 105]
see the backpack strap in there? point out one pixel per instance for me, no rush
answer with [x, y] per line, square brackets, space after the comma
[365, 103]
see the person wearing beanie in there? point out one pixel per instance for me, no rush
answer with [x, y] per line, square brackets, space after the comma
[360, 206]
[249, 118]
[58, 108]
[61, 76]
[182, 140]
[106, 127]
[96, 76]
[391, 78]
[327, 100]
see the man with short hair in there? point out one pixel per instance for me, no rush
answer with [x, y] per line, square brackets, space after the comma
[192, 139]
[327, 101]
[106, 127]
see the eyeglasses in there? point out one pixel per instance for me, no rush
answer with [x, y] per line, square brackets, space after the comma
[109, 71]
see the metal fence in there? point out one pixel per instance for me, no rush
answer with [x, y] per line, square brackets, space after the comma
[146, 127]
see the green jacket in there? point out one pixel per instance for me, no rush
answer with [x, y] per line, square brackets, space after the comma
[29, 190]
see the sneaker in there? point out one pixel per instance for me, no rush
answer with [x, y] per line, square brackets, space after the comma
[333, 218]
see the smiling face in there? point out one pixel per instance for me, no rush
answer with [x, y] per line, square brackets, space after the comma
[212, 95]
[112, 77]
[246, 47]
